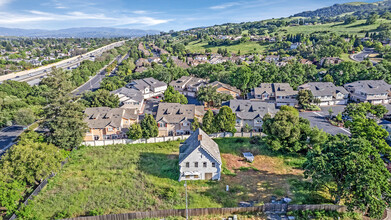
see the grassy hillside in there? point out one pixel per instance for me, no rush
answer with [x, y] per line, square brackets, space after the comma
[196, 47]
[126, 178]
[359, 28]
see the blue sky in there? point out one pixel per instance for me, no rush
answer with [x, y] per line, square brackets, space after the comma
[146, 14]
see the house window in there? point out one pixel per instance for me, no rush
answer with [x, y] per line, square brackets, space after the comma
[187, 164]
[196, 164]
[110, 129]
[204, 164]
[187, 176]
[213, 165]
[196, 176]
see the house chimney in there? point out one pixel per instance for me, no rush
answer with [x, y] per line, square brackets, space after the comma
[200, 137]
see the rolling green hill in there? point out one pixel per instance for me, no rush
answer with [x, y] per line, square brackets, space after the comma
[339, 9]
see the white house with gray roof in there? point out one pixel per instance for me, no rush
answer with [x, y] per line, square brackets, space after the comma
[199, 158]
[149, 87]
[130, 98]
[327, 93]
[373, 91]
[250, 112]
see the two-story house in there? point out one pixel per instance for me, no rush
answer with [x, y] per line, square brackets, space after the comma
[130, 98]
[373, 91]
[225, 89]
[327, 93]
[199, 158]
[149, 87]
[176, 119]
[188, 85]
[250, 112]
[108, 123]
[278, 93]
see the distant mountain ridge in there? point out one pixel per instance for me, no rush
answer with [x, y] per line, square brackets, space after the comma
[83, 32]
[339, 9]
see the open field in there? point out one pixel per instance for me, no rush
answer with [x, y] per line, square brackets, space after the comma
[358, 28]
[142, 177]
[248, 47]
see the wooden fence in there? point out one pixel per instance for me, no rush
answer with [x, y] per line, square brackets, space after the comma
[274, 208]
[164, 139]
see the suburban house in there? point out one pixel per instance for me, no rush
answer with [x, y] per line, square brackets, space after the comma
[278, 93]
[272, 59]
[250, 112]
[225, 89]
[108, 123]
[327, 93]
[295, 45]
[188, 85]
[176, 119]
[199, 158]
[149, 87]
[130, 98]
[330, 61]
[373, 91]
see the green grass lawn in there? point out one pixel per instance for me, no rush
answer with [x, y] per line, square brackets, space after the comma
[358, 28]
[142, 177]
[248, 47]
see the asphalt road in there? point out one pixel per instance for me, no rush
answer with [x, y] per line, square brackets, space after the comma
[363, 55]
[8, 135]
[318, 119]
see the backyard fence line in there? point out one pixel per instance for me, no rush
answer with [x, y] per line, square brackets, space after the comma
[166, 138]
[39, 188]
[268, 207]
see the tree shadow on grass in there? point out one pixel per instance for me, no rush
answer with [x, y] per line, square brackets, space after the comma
[159, 165]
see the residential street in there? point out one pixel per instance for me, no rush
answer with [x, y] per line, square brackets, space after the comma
[363, 55]
[8, 135]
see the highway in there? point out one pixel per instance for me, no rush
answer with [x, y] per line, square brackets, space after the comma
[34, 76]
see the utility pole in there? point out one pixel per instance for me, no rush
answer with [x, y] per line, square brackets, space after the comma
[187, 211]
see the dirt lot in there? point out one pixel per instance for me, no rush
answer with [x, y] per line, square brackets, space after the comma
[265, 177]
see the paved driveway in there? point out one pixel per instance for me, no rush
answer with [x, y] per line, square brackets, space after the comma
[318, 119]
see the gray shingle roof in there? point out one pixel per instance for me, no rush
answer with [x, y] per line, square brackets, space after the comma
[206, 143]
[249, 109]
[101, 117]
[218, 84]
[175, 112]
[370, 86]
[130, 93]
[324, 88]
[141, 84]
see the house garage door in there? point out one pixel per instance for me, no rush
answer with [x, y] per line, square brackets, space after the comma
[208, 176]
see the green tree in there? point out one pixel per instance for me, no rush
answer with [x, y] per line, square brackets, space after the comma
[351, 170]
[328, 78]
[100, 98]
[30, 162]
[305, 98]
[10, 195]
[64, 121]
[135, 132]
[24, 116]
[195, 125]
[372, 18]
[173, 96]
[58, 83]
[207, 123]
[149, 127]
[209, 95]
[365, 110]
[225, 120]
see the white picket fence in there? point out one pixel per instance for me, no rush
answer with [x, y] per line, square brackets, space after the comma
[164, 139]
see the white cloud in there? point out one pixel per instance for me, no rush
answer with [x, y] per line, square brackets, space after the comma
[224, 6]
[139, 12]
[39, 16]
[4, 2]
